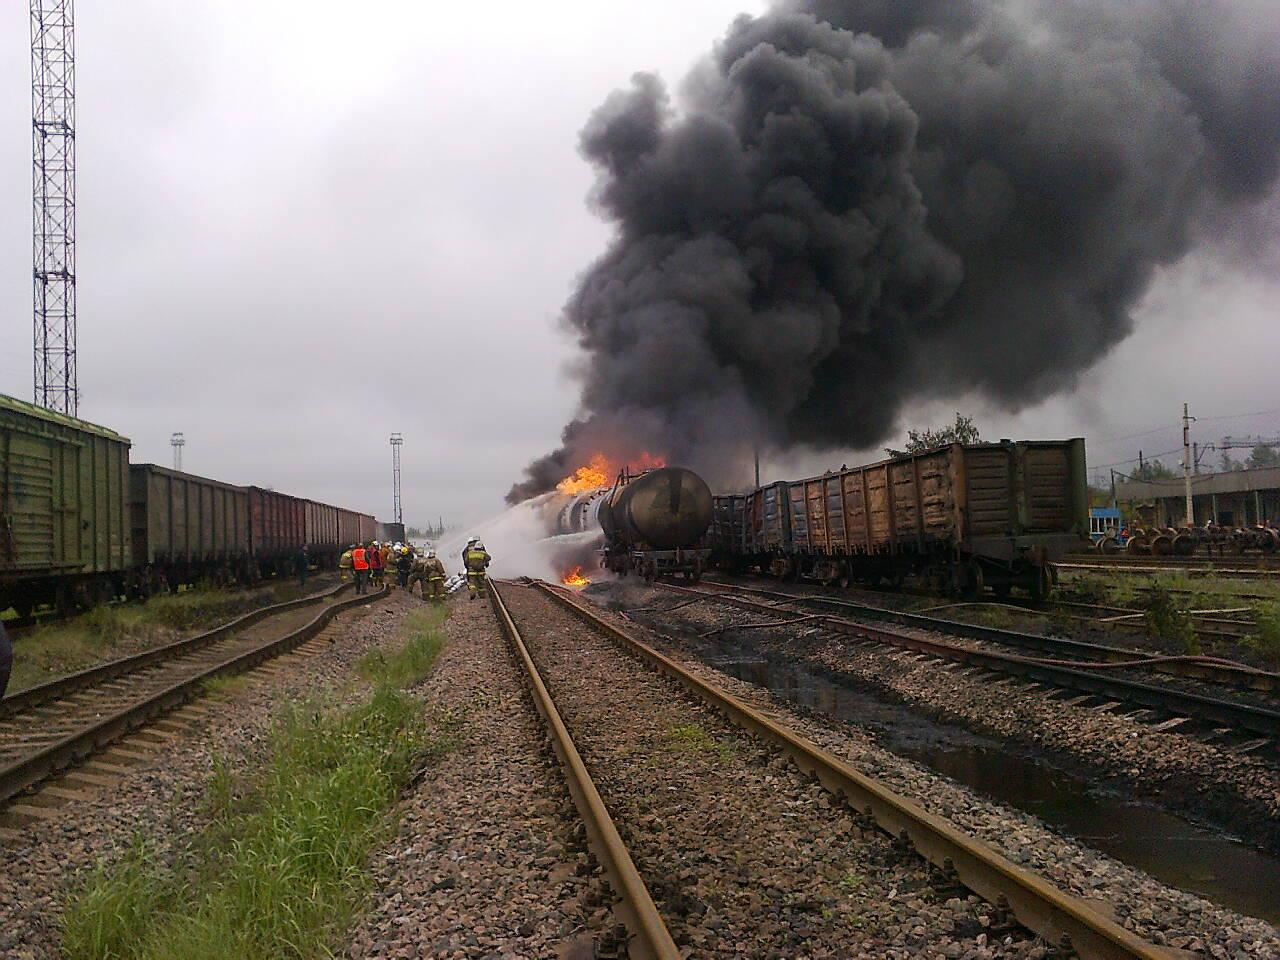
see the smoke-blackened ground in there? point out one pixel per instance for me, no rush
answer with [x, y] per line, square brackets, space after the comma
[863, 203]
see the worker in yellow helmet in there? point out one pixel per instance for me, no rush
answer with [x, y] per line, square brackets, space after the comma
[476, 558]
[344, 564]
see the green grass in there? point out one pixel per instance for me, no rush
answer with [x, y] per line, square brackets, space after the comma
[1168, 620]
[694, 738]
[411, 662]
[282, 867]
[1266, 638]
[105, 633]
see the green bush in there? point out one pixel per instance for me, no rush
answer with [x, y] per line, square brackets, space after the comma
[1266, 636]
[1166, 620]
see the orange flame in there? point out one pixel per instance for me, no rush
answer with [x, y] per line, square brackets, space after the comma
[601, 471]
[596, 475]
[574, 578]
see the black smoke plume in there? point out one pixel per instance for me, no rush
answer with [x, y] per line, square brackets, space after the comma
[860, 203]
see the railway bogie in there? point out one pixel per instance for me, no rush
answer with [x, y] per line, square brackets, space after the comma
[962, 517]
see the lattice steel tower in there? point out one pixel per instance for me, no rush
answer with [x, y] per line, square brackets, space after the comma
[53, 122]
[397, 442]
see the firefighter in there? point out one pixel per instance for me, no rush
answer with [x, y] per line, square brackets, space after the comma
[432, 578]
[375, 564]
[404, 564]
[360, 564]
[471, 542]
[476, 558]
[344, 563]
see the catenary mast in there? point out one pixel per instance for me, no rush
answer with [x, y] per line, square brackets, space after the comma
[54, 204]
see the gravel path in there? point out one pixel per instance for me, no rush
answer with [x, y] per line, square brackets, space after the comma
[489, 860]
[744, 857]
[162, 799]
[1156, 911]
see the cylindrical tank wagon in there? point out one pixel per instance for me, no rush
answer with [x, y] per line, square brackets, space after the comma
[656, 523]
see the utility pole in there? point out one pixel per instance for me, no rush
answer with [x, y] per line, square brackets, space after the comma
[53, 209]
[177, 441]
[757, 468]
[1186, 463]
[397, 442]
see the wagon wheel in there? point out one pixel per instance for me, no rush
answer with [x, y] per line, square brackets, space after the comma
[1184, 545]
[1137, 546]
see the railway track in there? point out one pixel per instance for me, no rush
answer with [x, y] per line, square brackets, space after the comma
[1058, 917]
[1088, 669]
[1232, 568]
[50, 727]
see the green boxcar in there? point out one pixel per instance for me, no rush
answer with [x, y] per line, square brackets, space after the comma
[64, 509]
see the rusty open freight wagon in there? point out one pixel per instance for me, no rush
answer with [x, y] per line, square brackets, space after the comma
[961, 517]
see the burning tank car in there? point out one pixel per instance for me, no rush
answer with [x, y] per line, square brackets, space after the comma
[654, 523]
[960, 517]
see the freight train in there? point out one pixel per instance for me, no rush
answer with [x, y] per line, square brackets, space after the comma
[81, 525]
[654, 523]
[960, 517]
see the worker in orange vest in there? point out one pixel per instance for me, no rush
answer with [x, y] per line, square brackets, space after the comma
[360, 564]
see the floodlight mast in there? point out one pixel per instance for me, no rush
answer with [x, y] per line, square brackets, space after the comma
[54, 205]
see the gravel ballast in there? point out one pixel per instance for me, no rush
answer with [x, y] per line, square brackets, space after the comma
[1154, 910]
[743, 855]
[489, 860]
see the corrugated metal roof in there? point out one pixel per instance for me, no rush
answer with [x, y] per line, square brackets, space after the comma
[52, 416]
[1231, 481]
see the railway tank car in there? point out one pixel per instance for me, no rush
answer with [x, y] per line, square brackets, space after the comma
[960, 517]
[654, 522]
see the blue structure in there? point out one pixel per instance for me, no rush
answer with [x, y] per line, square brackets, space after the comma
[1104, 521]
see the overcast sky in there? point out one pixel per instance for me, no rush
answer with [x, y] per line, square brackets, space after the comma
[301, 228]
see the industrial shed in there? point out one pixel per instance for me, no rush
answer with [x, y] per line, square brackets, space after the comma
[1237, 498]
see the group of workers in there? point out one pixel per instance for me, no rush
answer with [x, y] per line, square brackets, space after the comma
[372, 563]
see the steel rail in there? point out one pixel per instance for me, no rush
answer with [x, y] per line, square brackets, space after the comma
[40, 764]
[61, 686]
[1038, 905]
[1079, 649]
[651, 939]
[1236, 716]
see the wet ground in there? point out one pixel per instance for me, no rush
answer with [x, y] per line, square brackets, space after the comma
[1170, 848]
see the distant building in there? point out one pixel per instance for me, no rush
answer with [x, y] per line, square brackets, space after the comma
[1237, 498]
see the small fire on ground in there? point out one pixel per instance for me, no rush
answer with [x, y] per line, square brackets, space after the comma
[574, 578]
[600, 472]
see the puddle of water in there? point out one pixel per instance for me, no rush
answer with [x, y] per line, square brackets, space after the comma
[1175, 851]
